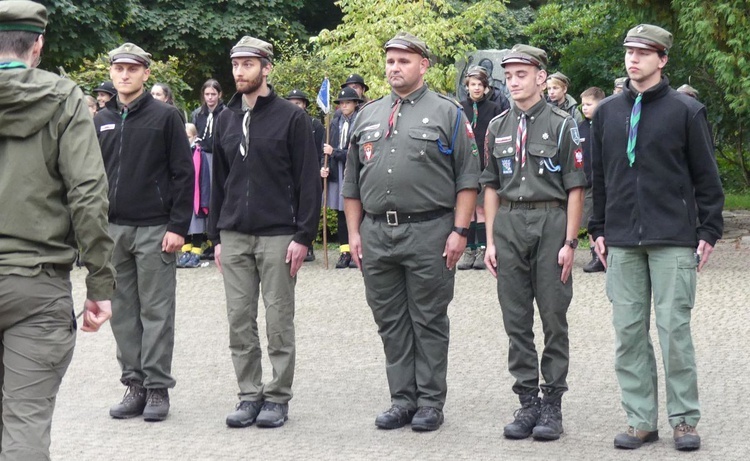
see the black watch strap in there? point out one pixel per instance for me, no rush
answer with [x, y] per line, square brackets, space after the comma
[462, 231]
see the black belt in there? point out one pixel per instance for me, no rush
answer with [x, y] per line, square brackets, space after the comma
[545, 204]
[394, 218]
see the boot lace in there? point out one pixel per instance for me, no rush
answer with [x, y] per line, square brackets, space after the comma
[156, 397]
[550, 413]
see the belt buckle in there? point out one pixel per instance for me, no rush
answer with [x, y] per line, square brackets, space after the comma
[391, 218]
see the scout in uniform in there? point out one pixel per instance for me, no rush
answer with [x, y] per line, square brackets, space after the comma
[410, 188]
[53, 205]
[533, 201]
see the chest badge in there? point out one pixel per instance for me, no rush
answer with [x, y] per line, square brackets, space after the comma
[367, 148]
[507, 165]
[545, 136]
[425, 120]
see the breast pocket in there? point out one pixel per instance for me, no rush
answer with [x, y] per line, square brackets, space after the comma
[369, 145]
[504, 155]
[422, 144]
[543, 158]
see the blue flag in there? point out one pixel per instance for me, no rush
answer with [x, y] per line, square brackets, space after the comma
[324, 100]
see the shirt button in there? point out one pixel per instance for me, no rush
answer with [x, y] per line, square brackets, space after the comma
[532, 117]
[395, 131]
[390, 171]
[393, 150]
[387, 192]
[424, 135]
[523, 178]
[541, 151]
[399, 114]
[520, 198]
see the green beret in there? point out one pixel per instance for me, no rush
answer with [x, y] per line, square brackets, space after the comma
[526, 54]
[129, 54]
[22, 15]
[408, 42]
[250, 47]
[562, 77]
[649, 37]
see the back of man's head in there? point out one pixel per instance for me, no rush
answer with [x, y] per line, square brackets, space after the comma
[21, 24]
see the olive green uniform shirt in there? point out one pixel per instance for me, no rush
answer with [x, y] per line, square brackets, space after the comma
[554, 156]
[405, 170]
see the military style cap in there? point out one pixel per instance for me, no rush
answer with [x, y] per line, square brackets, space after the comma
[526, 54]
[560, 76]
[649, 37]
[130, 54]
[355, 78]
[620, 82]
[106, 87]
[251, 47]
[478, 72]
[21, 15]
[348, 94]
[688, 90]
[298, 94]
[408, 42]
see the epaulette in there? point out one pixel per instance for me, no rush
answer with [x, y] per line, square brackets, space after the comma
[560, 112]
[447, 98]
[370, 102]
[501, 114]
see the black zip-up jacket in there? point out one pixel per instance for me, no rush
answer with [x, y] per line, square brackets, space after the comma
[149, 164]
[200, 119]
[275, 189]
[672, 194]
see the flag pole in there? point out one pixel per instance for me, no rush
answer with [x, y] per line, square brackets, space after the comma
[325, 91]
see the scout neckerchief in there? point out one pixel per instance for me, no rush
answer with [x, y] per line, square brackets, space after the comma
[521, 140]
[476, 115]
[393, 118]
[635, 117]
[12, 65]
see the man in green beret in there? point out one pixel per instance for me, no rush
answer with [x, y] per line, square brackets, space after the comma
[657, 216]
[53, 203]
[533, 202]
[151, 179]
[265, 207]
[410, 188]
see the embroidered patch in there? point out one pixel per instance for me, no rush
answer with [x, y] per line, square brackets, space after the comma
[575, 135]
[371, 127]
[503, 140]
[107, 127]
[367, 148]
[507, 164]
[469, 131]
[579, 157]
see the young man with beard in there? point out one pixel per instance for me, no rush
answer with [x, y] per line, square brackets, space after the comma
[657, 216]
[149, 165]
[410, 188]
[533, 200]
[264, 213]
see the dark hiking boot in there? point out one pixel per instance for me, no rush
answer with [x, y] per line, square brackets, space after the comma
[133, 402]
[244, 413]
[427, 419]
[344, 260]
[394, 417]
[634, 438]
[525, 418]
[595, 265]
[310, 256]
[157, 404]
[272, 415]
[549, 426]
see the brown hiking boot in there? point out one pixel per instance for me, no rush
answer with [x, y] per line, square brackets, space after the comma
[635, 438]
[686, 437]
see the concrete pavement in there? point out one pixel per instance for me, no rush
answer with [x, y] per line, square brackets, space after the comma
[340, 384]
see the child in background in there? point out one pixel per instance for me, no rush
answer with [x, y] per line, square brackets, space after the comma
[589, 100]
[191, 252]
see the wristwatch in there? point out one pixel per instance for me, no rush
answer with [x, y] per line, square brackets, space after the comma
[572, 243]
[462, 231]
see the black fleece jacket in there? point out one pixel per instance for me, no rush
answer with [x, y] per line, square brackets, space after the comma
[672, 194]
[274, 189]
[149, 164]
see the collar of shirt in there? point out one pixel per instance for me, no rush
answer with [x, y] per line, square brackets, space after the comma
[412, 98]
[533, 112]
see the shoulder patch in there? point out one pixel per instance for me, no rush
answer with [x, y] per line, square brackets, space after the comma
[499, 116]
[560, 112]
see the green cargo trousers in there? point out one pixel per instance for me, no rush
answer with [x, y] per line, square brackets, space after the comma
[527, 243]
[408, 289]
[251, 265]
[143, 306]
[633, 274]
[38, 335]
